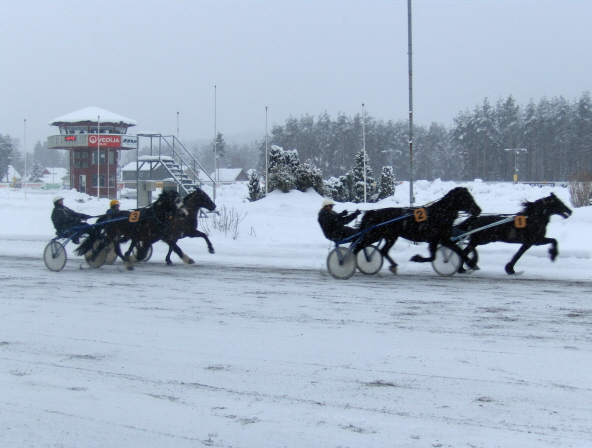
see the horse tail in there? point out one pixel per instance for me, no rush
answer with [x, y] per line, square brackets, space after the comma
[86, 245]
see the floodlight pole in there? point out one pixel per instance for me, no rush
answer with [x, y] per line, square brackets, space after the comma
[364, 146]
[411, 198]
[215, 142]
[25, 153]
[516, 151]
[266, 153]
[98, 157]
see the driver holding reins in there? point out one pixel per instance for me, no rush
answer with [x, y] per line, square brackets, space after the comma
[64, 218]
[333, 224]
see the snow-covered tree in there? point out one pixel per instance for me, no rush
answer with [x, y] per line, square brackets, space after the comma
[387, 183]
[36, 173]
[358, 178]
[255, 192]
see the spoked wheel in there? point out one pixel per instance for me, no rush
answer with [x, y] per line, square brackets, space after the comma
[55, 256]
[111, 254]
[341, 263]
[446, 261]
[369, 260]
[96, 257]
[148, 254]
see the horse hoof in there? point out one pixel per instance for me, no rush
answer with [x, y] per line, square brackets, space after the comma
[191, 261]
[129, 268]
[170, 263]
[510, 271]
[393, 269]
[416, 258]
[211, 250]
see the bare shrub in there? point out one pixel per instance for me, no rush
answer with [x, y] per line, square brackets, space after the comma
[227, 221]
[580, 189]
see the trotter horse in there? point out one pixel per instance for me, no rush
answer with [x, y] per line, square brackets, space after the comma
[434, 225]
[186, 226]
[531, 232]
[143, 227]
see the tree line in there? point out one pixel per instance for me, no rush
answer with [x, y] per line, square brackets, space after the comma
[556, 134]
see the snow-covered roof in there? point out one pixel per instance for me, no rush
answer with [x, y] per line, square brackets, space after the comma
[226, 174]
[92, 114]
[58, 172]
[12, 173]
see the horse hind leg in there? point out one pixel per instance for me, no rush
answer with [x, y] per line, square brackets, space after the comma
[183, 256]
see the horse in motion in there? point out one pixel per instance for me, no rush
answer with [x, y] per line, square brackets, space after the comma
[143, 227]
[186, 226]
[433, 224]
[528, 228]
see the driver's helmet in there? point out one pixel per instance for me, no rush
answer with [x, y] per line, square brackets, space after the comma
[57, 198]
[114, 202]
[328, 202]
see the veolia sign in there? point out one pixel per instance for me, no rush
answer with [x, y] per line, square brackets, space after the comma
[111, 141]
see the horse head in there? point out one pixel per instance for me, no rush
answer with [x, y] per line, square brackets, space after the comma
[552, 205]
[198, 199]
[464, 200]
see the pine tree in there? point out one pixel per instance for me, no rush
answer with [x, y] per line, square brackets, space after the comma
[358, 178]
[255, 192]
[387, 183]
[5, 155]
[36, 173]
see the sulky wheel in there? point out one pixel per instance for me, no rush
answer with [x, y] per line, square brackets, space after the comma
[341, 263]
[148, 254]
[446, 261]
[55, 256]
[369, 260]
[111, 254]
[96, 257]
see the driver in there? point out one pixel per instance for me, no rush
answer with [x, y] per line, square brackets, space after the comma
[333, 224]
[64, 218]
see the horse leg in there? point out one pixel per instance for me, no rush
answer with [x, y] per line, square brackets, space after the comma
[516, 257]
[167, 259]
[466, 251]
[554, 250]
[186, 259]
[388, 244]
[198, 234]
[433, 245]
[128, 261]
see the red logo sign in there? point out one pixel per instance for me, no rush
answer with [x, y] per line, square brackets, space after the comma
[71, 138]
[110, 141]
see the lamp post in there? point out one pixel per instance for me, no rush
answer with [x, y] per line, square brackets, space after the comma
[516, 151]
[266, 153]
[364, 146]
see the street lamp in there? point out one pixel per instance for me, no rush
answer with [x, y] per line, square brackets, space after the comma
[364, 145]
[516, 151]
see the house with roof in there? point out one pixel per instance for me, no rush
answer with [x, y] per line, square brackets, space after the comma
[13, 176]
[227, 175]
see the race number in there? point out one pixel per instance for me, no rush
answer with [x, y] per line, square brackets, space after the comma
[520, 222]
[420, 214]
[134, 216]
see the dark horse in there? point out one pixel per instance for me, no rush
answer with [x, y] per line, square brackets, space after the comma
[186, 226]
[432, 224]
[527, 228]
[143, 227]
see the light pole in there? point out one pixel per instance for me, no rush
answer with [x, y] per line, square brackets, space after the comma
[9, 160]
[364, 145]
[411, 197]
[516, 151]
[52, 175]
[266, 153]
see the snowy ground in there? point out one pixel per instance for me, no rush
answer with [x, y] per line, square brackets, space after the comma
[258, 346]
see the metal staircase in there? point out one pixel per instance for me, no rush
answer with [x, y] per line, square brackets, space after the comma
[183, 167]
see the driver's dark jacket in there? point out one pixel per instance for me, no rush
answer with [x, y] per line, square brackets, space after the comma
[333, 224]
[63, 218]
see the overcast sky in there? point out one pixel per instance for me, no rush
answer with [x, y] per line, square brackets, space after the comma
[148, 60]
